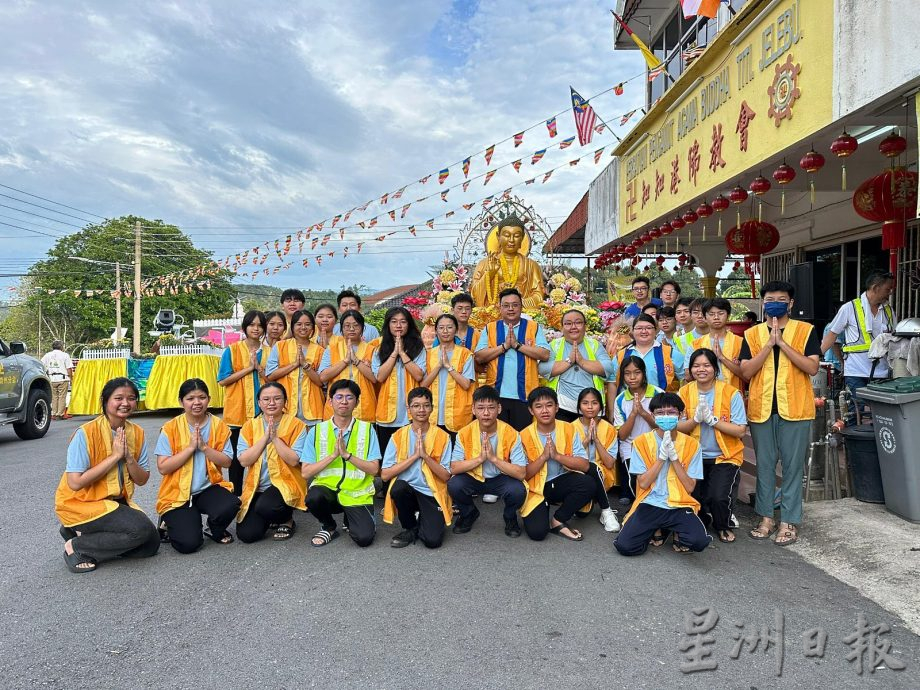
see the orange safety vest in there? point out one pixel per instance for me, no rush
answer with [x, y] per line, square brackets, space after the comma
[678, 497]
[240, 396]
[288, 480]
[366, 411]
[606, 433]
[795, 398]
[91, 502]
[436, 443]
[531, 375]
[470, 438]
[458, 403]
[731, 348]
[389, 390]
[664, 361]
[176, 487]
[311, 395]
[533, 446]
[732, 448]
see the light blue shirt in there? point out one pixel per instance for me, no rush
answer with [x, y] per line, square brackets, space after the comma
[509, 385]
[370, 332]
[444, 379]
[574, 380]
[488, 469]
[226, 369]
[707, 434]
[200, 480]
[272, 364]
[651, 366]
[308, 451]
[633, 310]
[78, 456]
[399, 371]
[658, 496]
[413, 474]
[554, 468]
[265, 481]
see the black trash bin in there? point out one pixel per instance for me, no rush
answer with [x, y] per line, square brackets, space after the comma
[862, 462]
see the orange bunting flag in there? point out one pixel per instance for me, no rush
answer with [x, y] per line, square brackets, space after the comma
[398, 193]
[598, 154]
[325, 240]
[332, 253]
[336, 219]
[489, 176]
[518, 139]
[392, 215]
[489, 152]
[405, 209]
[444, 195]
[384, 198]
[466, 185]
[430, 223]
[255, 250]
[449, 214]
[287, 244]
[468, 206]
[380, 238]
[517, 165]
[372, 222]
[618, 89]
[466, 167]
[319, 226]
[412, 230]
[547, 176]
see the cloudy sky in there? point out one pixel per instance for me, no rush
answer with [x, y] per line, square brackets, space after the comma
[241, 122]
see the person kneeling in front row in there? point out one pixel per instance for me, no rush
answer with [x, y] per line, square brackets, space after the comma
[667, 465]
[341, 456]
[416, 462]
[488, 458]
[555, 471]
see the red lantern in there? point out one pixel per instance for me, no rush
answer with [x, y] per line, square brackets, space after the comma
[843, 147]
[704, 210]
[889, 198]
[666, 229]
[759, 186]
[719, 204]
[783, 175]
[738, 196]
[690, 216]
[630, 251]
[811, 163]
[659, 260]
[645, 237]
[654, 233]
[893, 145]
[678, 223]
[753, 239]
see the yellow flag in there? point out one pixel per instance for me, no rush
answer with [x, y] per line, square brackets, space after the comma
[649, 56]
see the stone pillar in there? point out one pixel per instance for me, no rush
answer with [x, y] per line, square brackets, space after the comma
[709, 285]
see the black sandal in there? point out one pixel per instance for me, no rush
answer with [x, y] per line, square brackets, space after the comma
[67, 533]
[75, 560]
[557, 530]
[657, 540]
[225, 538]
[284, 532]
[325, 536]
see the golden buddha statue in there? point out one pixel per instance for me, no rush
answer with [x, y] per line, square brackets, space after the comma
[507, 265]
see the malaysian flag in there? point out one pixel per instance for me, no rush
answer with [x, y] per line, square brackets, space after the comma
[584, 118]
[625, 118]
[653, 74]
[692, 52]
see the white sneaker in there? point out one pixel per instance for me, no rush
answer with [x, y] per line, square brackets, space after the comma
[489, 498]
[733, 522]
[609, 520]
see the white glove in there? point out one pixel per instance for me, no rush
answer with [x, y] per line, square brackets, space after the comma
[663, 448]
[701, 413]
[672, 452]
[711, 419]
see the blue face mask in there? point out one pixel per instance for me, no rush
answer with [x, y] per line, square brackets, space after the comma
[776, 309]
[666, 422]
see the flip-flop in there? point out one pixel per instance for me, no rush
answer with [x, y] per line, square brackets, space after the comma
[657, 540]
[284, 532]
[557, 530]
[75, 560]
[789, 532]
[325, 536]
[723, 539]
[225, 538]
[677, 547]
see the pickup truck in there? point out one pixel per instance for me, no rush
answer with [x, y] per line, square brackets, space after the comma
[25, 392]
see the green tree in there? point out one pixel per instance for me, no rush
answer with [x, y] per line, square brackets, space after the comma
[80, 319]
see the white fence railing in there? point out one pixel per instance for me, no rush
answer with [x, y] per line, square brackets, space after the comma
[190, 350]
[217, 323]
[106, 353]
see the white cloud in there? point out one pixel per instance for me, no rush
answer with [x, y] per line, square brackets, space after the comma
[252, 115]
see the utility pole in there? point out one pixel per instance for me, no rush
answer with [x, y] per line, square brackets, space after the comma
[39, 328]
[118, 300]
[137, 287]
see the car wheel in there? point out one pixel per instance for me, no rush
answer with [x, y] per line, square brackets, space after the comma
[38, 416]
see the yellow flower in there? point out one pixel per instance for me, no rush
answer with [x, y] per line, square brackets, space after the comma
[447, 276]
[573, 284]
[557, 295]
[557, 279]
[444, 296]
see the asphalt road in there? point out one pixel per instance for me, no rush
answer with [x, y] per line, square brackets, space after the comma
[484, 611]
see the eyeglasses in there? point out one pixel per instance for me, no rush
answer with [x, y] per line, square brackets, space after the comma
[643, 329]
[510, 305]
[640, 288]
[344, 398]
[573, 323]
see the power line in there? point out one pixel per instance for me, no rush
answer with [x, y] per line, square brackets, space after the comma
[51, 201]
[37, 232]
[38, 215]
[53, 210]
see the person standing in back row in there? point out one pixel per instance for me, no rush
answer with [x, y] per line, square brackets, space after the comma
[350, 300]
[778, 358]
[59, 366]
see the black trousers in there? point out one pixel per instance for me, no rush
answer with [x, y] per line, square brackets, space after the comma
[123, 532]
[384, 433]
[184, 523]
[566, 416]
[429, 524]
[515, 412]
[571, 491]
[266, 508]
[638, 529]
[600, 492]
[716, 492]
[442, 427]
[236, 471]
[462, 488]
[323, 503]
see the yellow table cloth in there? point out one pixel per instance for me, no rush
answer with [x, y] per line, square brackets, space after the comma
[89, 378]
[170, 371]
